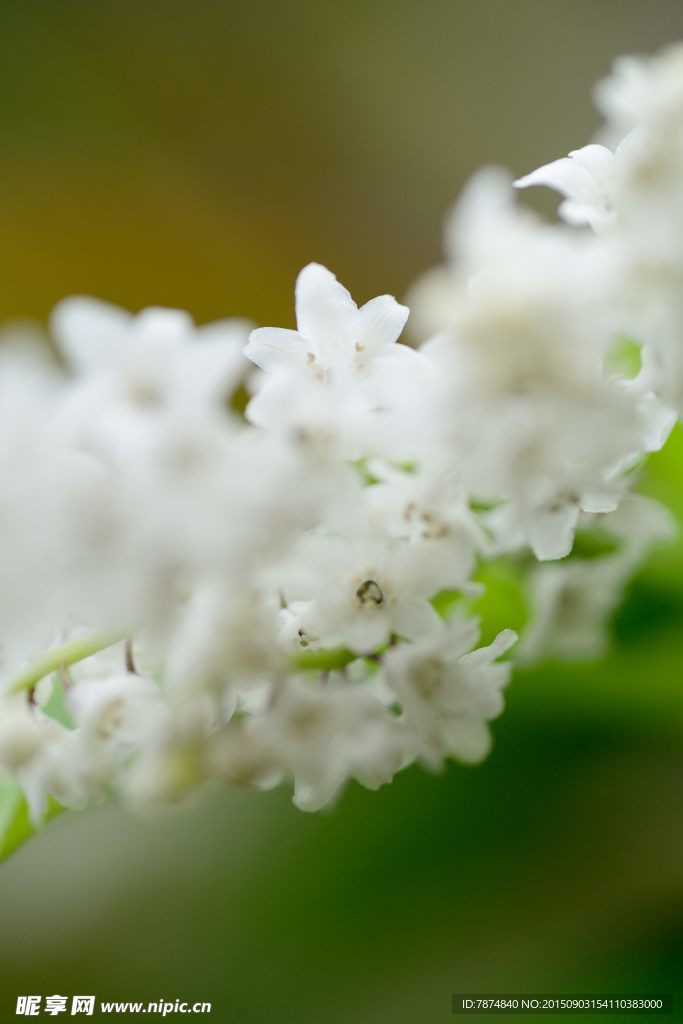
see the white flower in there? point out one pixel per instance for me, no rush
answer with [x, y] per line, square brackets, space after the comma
[571, 604]
[644, 91]
[333, 337]
[519, 394]
[634, 199]
[342, 365]
[428, 508]
[585, 179]
[56, 769]
[150, 358]
[132, 370]
[226, 639]
[116, 716]
[358, 591]
[449, 692]
[320, 738]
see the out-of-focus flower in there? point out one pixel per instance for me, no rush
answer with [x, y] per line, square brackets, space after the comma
[449, 692]
[585, 179]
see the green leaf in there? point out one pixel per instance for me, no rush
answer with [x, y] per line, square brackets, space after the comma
[16, 826]
[56, 706]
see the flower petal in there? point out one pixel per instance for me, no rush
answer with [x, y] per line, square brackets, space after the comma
[89, 332]
[163, 326]
[326, 315]
[415, 620]
[565, 175]
[382, 320]
[273, 348]
[468, 739]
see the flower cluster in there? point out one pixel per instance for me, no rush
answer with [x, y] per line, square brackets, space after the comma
[253, 555]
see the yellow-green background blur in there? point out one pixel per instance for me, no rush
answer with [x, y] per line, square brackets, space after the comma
[197, 153]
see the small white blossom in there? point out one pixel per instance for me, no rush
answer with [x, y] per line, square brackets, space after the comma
[585, 179]
[150, 360]
[321, 739]
[449, 692]
[571, 605]
[115, 717]
[520, 397]
[358, 591]
[342, 365]
[56, 769]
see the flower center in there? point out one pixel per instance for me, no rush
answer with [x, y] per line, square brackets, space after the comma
[370, 593]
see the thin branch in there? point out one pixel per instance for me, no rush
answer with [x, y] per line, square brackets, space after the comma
[61, 657]
[324, 661]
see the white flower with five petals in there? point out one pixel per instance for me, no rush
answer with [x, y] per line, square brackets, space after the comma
[341, 366]
[448, 691]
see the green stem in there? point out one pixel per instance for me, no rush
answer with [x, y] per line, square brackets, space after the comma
[77, 650]
[324, 661]
[62, 657]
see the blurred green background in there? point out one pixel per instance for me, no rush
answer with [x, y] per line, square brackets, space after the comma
[197, 154]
